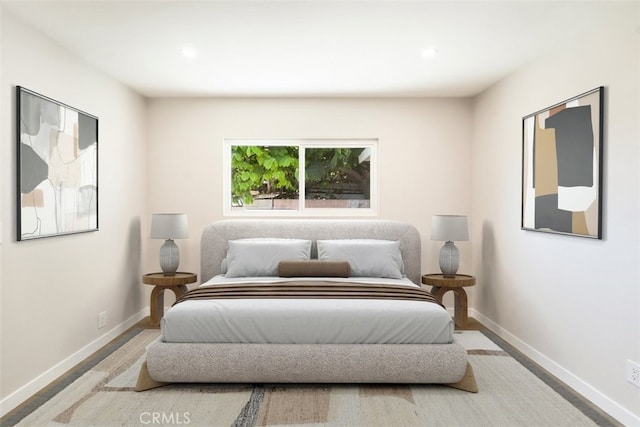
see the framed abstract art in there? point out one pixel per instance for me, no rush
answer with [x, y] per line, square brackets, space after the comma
[57, 164]
[562, 167]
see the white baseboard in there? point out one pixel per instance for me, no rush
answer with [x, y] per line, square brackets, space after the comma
[618, 412]
[25, 392]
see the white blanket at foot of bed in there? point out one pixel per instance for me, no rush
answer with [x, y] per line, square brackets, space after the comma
[307, 321]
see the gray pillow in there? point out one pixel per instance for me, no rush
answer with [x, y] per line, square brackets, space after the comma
[261, 256]
[367, 257]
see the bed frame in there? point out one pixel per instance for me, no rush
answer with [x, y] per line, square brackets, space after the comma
[307, 363]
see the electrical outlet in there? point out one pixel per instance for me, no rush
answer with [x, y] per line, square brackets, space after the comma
[633, 373]
[102, 319]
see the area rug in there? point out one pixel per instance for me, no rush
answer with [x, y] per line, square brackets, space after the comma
[510, 394]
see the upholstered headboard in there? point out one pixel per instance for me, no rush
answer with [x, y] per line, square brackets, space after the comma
[215, 237]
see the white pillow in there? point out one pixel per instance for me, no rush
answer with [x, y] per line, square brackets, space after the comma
[368, 258]
[261, 256]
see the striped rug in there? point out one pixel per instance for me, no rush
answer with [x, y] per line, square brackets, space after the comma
[512, 392]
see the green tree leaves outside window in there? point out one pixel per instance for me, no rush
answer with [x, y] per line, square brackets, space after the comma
[272, 172]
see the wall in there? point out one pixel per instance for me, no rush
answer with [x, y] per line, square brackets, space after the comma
[570, 303]
[52, 289]
[423, 144]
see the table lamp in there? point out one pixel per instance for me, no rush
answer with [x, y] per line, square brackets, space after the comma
[169, 226]
[449, 228]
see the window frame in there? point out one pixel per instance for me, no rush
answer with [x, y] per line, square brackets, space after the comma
[303, 144]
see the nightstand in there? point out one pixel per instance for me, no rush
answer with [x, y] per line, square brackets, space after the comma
[442, 285]
[176, 283]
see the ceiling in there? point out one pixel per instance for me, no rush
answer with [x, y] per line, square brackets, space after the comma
[310, 48]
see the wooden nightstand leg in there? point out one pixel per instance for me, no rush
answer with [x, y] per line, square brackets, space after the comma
[438, 293]
[179, 290]
[157, 305]
[460, 309]
[157, 301]
[460, 315]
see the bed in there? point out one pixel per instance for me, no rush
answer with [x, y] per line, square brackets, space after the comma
[308, 301]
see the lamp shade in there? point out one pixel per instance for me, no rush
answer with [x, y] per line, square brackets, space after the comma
[449, 228]
[169, 226]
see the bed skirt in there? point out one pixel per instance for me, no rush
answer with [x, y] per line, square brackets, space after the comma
[306, 363]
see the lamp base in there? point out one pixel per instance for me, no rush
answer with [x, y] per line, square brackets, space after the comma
[449, 260]
[169, 257]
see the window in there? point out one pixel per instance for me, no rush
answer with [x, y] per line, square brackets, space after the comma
[300, 176]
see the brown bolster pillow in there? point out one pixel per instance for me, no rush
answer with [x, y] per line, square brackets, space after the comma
[314, 268]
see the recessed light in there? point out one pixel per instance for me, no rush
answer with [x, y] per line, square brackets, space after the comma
[189, 52]
[430, 52]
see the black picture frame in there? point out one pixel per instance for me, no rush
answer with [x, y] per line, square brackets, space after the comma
[57, 167]
[562, 167]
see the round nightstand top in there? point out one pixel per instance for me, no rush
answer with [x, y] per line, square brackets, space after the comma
[460, 281]
[161, 279]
